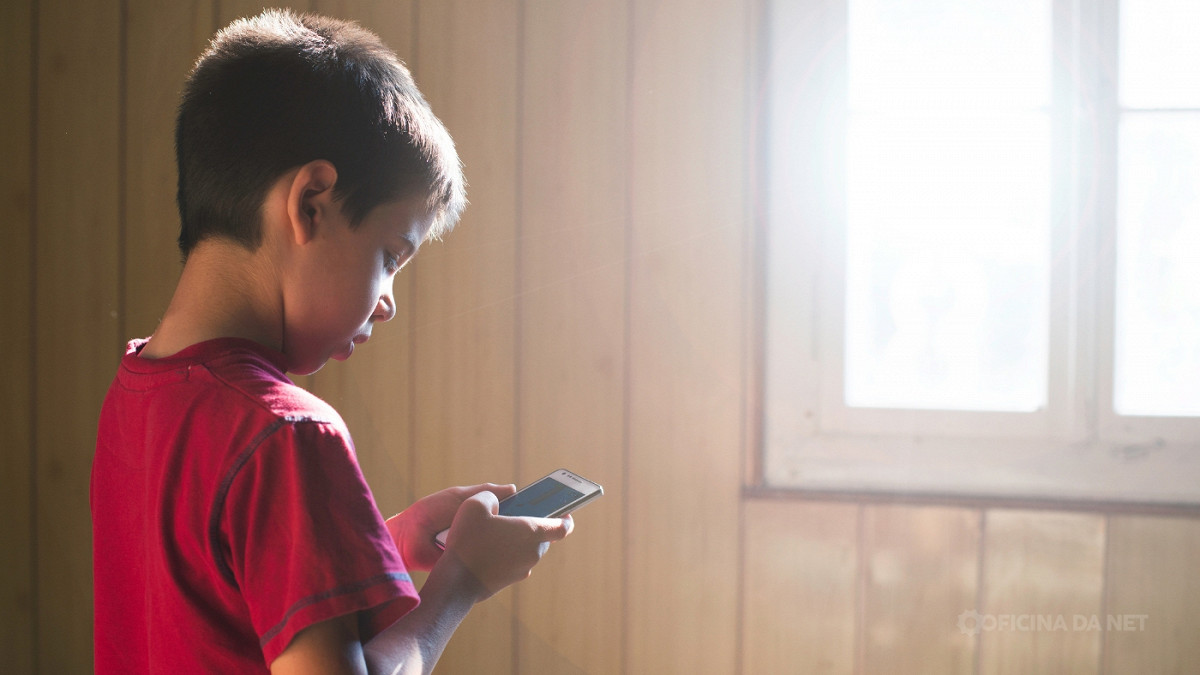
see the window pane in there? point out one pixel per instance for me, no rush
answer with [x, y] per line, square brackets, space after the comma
[922, 54]
[1157, 369]
[948, 179]
[948, 259]
[1153, 76]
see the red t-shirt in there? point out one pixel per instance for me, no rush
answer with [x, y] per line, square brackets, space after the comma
[228, 513]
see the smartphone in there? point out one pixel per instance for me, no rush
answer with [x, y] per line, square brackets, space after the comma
[554, 496]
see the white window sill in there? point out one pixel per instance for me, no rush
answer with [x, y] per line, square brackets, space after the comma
[1154, 473]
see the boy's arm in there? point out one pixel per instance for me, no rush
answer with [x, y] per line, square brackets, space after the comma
[484, 553]
[411, 645]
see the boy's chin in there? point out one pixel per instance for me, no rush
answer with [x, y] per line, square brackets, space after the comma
[303, 370]
[343, 354]
[307, 368]
[313, 366]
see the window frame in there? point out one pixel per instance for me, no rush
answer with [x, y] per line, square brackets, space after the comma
[1077, 448]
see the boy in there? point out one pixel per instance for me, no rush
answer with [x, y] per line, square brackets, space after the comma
[233, 529]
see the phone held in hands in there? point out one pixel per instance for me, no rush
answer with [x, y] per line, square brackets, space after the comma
[554, 496]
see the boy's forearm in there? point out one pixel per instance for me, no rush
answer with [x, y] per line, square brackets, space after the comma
[415, 642]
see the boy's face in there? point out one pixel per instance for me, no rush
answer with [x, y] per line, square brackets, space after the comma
[343, 283]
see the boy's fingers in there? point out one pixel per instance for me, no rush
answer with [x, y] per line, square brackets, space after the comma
[554, 529]
[502, 491]
[484, 499]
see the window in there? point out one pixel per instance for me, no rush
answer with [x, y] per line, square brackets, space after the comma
[983, 248]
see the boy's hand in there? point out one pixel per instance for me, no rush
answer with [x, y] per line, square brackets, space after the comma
[414, 528]
[499, 550]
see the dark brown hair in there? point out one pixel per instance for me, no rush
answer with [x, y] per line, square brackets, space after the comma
[278, 90]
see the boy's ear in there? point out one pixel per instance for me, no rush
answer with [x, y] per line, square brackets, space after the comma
[310, 198]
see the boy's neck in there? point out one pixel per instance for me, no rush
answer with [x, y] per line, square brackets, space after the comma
[224, 291]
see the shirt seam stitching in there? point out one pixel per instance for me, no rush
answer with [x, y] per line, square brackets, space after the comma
[214, 523]
[343, 590]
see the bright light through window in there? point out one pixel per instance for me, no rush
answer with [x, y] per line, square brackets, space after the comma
[948, 204]
[983, 248]
[1157, 336]
[1160, 54]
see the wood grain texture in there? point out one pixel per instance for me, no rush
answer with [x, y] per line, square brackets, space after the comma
[801, 587]
[1039, 567]
[689, 217]
[922, 572]
[78, 343]
[16, 337]
[574, 206]
[465, 325]
[163, 41]
[373, 389]
[1152, 574]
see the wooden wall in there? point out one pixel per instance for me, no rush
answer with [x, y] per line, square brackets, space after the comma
[594, 310]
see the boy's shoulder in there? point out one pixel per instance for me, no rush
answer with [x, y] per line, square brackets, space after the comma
[232, 373]
[256, 372]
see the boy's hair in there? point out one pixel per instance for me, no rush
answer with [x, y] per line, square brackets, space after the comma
[278, 90]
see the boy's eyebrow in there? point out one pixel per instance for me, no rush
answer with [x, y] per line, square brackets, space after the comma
[413, 244]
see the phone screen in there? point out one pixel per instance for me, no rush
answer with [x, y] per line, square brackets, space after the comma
[540, 499]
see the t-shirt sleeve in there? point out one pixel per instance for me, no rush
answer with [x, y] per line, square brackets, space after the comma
[305, 541]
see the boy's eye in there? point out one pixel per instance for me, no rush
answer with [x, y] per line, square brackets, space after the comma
[391, 263]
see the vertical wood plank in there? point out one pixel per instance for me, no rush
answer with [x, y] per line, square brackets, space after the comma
[801, 587]
[689, 218]
[1152, 574]
[464, 332]
[1048, 565]
[164, 40]
[372, 390]
[16, 337]
[78, 345]
[464, 328]
[574, 206]
[922, 573]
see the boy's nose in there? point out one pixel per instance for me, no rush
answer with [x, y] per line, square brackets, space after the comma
[386, 309]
